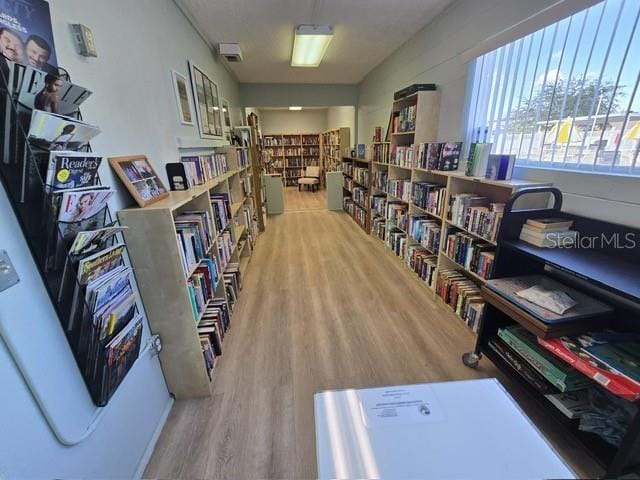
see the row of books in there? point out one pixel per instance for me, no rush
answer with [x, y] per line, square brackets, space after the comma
[429, 196]
[549, 232]
[311, 152]
[462, 295]
[472, 254]
[232, 284]
[402, 156]
[199, 169]
[311, 140]
[295, 162]
[202, 285]
[400, 188]
[380, 180]
[221, 205]
[405, 119]
[482, 163]
[277, 141]
[422, 262]
[195, 237]
[243, 157]
[294, 173]
[361, 175]
[476, 214]
[225, 248]
[397, 214]
[347, 183]
[347, 168]
[378, 204]
[379, 227]
[360, 195]
[212, 328]
[425, 231]
[397, 242]
[381, 152]
[443, 156]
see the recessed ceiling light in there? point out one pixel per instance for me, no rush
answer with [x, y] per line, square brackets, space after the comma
[310, 44]
[295, 108]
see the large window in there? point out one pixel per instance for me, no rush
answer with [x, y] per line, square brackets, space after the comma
[565, 96]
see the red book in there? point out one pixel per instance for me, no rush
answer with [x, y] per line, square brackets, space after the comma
[569, 351]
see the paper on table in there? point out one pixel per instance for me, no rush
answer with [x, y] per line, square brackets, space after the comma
[399, 405]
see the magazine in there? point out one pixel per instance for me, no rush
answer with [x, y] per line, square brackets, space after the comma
[44, 91]
[121, 353]
[69, 170]
[99, 263]
[28, 29]
[89, 240]
[57, 132]
[81, 204]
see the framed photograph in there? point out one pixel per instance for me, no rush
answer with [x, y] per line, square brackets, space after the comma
[207, 103]
[140, 178]
[183, 99]
[226, 114]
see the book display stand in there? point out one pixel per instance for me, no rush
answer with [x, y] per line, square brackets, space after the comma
[605, 265]
[104, 351]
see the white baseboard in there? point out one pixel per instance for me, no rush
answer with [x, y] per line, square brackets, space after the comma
[154, 439]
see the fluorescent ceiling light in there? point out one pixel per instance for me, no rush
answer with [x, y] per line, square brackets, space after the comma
[295, 108]
[310, 44]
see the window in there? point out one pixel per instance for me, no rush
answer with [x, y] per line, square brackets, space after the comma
[565, 96]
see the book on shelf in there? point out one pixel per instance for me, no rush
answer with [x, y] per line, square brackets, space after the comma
[400, 188]
[550, 224]
[478, 159]
[402, 156]
[379, 227]
[50, 131]
[571, 350]
[558, 373]
[449, 156]
[397, 241]
[221, 205]
[397, 214]
[426, 232]
[199, 169]
[225, 248]
[548, 233]
[520, 365]
[585, 307]
[202, 285]
[472, 254]
[462, 295]
[571, 404]
[404, 120]
[476, 214]
[429, 197]
[195, 237]
[378, 204]
[500, 167]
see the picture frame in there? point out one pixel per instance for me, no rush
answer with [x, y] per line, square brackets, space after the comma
[207, 103]
[183, 98]
[226, 114]
[140, 178]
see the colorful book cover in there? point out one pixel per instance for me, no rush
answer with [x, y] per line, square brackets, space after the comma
[569, 350]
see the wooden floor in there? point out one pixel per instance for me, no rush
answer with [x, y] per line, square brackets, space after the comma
[295, 201]
[324, 306]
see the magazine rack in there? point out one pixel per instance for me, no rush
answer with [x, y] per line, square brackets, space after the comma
[22, 170]
[605, 268]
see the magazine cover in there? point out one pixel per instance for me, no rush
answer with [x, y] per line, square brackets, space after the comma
[47, 92]
[100, 263]
[121, 353]
[72, 170]
[57, 132]
[89, 240]
[26, 35]
[79, 205]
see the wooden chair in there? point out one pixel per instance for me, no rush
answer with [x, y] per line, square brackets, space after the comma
[311, 178]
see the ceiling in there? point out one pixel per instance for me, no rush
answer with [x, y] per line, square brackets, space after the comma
[365, 33]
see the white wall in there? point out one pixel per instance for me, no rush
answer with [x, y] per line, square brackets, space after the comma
[133, 102]
[303, 94]
[339, 117]
[433, 56]
[288, 121]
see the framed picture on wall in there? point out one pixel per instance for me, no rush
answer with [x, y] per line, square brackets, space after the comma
[207, 103]
[183, 98]
[140, 178]
[226, 114]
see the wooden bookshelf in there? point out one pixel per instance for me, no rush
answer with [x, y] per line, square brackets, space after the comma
[155, 256]
[291, 153]
[357, 175]
[425, 130]
[334, 144]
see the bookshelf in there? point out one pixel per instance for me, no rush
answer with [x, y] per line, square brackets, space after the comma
[603, 271]
[356, 183]
[396, 212]
[155, 252]
[334, 143]
[291, 153]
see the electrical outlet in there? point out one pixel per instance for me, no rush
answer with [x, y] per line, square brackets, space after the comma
[8, 275]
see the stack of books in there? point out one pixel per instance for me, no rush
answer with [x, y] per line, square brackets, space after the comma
[472, 254]
[548, 232]
[462, 295]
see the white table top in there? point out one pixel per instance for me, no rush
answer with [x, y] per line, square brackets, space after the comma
[453, 430]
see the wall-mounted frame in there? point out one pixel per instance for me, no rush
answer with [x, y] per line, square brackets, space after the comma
[140, 178]
[226, 114]
[183, 97]
[207, 103]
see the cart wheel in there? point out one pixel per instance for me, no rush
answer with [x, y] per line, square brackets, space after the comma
[471, 359]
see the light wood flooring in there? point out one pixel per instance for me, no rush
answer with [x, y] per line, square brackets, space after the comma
[324, 306]
[295, 201]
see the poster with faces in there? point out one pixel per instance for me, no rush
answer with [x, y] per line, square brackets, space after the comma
[26, 35]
